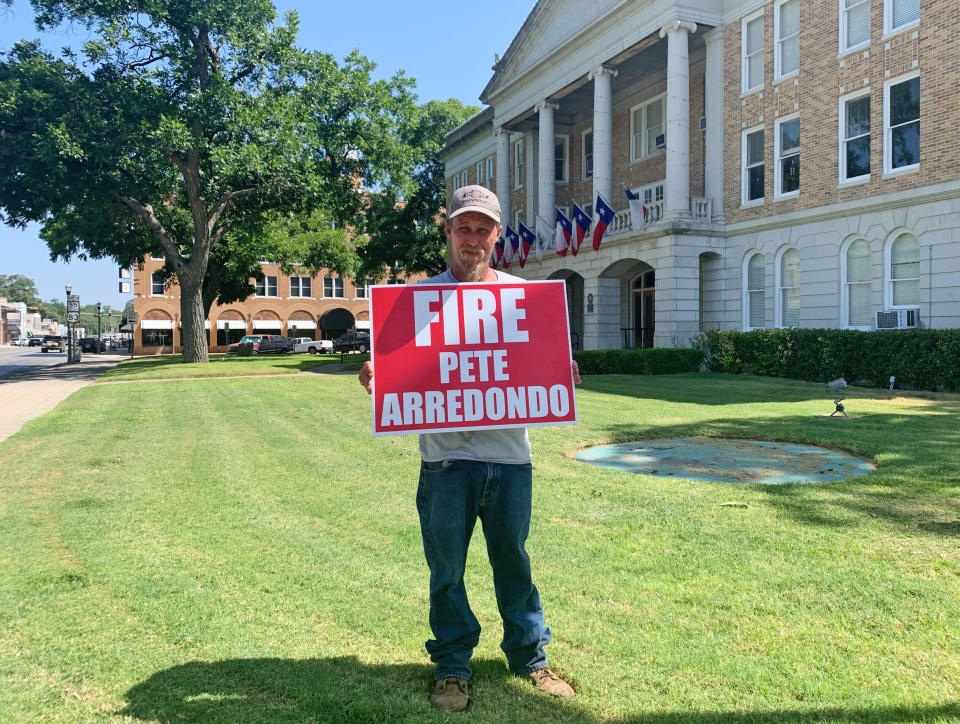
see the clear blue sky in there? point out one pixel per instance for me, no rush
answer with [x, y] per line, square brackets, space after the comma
[448, 47]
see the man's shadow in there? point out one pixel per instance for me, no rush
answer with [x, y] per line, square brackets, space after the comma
[338, 689]
[342, 689]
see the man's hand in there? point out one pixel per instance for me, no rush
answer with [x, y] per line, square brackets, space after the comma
[574, 367]
[366, 376]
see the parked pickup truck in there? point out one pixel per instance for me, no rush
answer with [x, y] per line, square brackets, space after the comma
[263, 343]
[313, 346]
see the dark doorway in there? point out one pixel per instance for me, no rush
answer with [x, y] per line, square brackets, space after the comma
[643, 309]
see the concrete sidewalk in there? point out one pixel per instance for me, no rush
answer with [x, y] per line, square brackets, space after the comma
[33, 392]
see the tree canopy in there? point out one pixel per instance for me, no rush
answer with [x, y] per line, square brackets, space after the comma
[194, 130]
[405, 224]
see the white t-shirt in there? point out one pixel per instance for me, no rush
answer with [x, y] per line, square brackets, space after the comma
[509, 445]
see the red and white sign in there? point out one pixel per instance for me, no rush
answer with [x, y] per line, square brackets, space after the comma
[470, 357]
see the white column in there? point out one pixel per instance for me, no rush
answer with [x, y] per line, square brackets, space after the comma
[503, 173]
[546, 185]
[713, 166]
[602, 79]
[677, 188]
[531, 181]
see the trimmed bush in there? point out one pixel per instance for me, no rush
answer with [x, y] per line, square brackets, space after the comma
[655, 361]
[920, 359]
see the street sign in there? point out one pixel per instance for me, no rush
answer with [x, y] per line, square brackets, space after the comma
[73, 317]
[73, 303]
[132, 317]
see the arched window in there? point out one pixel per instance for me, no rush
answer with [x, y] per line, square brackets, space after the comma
[789, 289]
[904, 271]
[856, 285]
[755, 302]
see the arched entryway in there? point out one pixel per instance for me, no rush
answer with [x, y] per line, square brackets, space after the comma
[630, 284]
[335, 322]
[231, 326]
[301, 324]
[574, 286]
[267, 322]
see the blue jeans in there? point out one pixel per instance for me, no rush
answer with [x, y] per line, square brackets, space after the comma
[451, 496]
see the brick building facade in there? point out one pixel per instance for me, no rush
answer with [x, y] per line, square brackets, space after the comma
[797, 160]
[320, 307]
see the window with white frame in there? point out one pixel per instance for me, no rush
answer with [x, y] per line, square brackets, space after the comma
[854, 136]
[518, 165]
[752, 166]
[904, 272]
[456, 181]
[900, 14]
[266, 286]
[490, 173]
[856, 286]
[517, 216]
[652, 197]
[587, 154]
[789, 289]
[561, 158]
[647, 127]
[362, 288]
[156, 283]
[787, 148]
[854, 24]
[481, 178]
[463, 178]
[333, 287]
[301, 287]
[751, 34]
[755, 302]
[787, 32]
[901, 124]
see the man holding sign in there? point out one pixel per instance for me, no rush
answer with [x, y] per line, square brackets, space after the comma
[477, 473]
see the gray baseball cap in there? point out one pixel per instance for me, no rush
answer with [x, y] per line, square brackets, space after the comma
[474, 198]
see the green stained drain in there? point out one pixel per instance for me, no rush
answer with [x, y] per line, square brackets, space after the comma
[728, 461]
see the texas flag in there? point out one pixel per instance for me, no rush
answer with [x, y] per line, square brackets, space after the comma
[561, 237]
[511, 246]
[582, 221]
[604, 217]
[497, 254]
[638, 212]
[527, 240]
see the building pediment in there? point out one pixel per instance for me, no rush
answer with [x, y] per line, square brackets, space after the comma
[548, 27]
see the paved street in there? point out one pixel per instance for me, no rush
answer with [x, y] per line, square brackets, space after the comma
[32, 383]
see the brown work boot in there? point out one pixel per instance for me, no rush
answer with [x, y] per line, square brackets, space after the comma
[451, 694]
[545, 680]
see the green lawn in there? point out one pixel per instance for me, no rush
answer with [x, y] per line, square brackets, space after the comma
[243, 550]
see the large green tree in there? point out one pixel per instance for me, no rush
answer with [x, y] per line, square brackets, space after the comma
[405, 222]
[186, 129]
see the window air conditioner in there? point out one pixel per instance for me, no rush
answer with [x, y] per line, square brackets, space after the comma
[660, 141]
[898, 319]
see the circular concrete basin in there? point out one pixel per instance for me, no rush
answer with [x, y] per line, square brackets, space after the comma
[728, 461]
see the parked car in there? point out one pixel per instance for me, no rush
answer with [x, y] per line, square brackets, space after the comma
[51, 343]
[263, 344]
[35, 342]
[352, 342]
[88, 344]
[313, 346]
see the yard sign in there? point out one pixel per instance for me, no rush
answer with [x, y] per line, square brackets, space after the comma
[470, 357]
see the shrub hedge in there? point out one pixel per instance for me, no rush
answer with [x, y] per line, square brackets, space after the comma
[655, 361]
[920, 359]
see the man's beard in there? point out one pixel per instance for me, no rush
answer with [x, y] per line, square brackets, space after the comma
[470, 268]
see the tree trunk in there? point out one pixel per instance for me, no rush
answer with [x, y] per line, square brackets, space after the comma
[193, 334]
